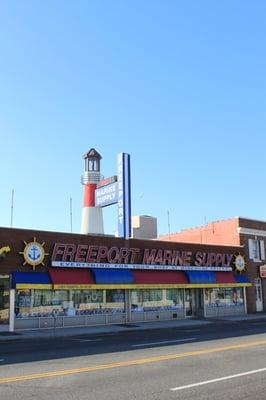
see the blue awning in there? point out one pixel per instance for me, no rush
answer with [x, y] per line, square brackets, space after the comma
[108, 276]
[242, 279]
[201, 276]
[35, 278]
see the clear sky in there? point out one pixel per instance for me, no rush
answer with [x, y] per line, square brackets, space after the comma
[180, 85]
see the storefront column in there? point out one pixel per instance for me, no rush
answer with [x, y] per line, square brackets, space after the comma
[128, 305]
[245, 299]
[184, 303]
[11, 310]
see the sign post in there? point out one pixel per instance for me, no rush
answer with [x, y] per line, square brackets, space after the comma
[124, 196]
[117, 190]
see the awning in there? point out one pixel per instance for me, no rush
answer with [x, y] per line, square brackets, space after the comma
[242, 279]
[113, 276]
[31, 280]
[68, 278]
[225, 277]
[199, 277]
[160, 277]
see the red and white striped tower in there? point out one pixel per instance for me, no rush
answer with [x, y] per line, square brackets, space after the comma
[92, 217]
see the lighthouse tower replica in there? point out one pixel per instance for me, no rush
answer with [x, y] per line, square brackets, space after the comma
[92, 217]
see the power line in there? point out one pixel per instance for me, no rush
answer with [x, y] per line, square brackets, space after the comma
[168, 220]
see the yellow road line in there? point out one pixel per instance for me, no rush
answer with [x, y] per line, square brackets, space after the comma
[140, 361]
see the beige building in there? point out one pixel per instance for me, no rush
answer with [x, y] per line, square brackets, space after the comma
[144, 227]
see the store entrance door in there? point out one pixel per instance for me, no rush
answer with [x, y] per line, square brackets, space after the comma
[189, 303]
[194, 306]
[199, 303]
[4, 299]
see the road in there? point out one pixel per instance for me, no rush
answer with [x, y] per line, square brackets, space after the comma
[225, 360]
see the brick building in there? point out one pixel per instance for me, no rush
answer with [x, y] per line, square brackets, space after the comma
[236, 231]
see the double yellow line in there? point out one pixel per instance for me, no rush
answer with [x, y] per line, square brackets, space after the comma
[140, 361]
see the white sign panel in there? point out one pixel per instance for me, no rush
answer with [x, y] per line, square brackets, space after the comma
[69, 264]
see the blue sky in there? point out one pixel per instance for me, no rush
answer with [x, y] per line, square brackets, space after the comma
[181, 86]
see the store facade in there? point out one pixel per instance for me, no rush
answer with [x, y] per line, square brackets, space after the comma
[50, 279]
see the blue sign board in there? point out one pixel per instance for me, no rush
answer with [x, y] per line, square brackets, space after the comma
[106, 195]
[124, 196]
[118, 192]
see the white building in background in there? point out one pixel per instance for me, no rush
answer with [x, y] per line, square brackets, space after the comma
[144, 227]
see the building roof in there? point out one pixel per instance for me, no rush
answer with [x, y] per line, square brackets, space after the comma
[92, 153]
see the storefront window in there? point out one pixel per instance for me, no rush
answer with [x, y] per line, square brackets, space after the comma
[224, 296]
[152, 295]
[152, 300]
[115, 296]
[47, 303]
[175, 296]
[49, 297]
[33, 302]
[23, 298]
[83, 298]
[115, 301]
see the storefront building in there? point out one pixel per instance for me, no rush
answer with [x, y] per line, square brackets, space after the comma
[51, 279]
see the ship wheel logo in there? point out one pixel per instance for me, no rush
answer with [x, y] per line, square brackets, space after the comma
[240, 263]
[34, 253]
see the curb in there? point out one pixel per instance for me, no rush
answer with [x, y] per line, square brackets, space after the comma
[120, 328]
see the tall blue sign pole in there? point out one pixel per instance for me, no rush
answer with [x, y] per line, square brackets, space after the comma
[124, 195]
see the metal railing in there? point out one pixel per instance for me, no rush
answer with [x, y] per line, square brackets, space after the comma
[120, 318]
[96, 319]
[92, 177]
[220, 311]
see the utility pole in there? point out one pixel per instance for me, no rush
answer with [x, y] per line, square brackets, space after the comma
[70, 209]
[12, 208]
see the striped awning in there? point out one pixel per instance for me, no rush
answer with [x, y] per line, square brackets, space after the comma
[33, 280]
[101, 278]
[112, 276]
[242, 279]
[70, 278]
[225, 277]
[159, 277]
[197, 277]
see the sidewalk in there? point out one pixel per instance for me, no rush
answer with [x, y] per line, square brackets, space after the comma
[112, 329]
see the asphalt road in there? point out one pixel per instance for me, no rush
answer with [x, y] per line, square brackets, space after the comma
[226, 360]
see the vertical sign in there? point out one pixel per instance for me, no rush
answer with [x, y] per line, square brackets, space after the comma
[124, 195]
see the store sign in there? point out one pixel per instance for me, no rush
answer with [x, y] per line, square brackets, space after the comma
[107, 181]
[124, 195]
[106, 195]
[83, 255]
[263, 271]
[117, 190]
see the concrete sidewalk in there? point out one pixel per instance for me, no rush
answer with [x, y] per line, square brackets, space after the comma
[112, 329]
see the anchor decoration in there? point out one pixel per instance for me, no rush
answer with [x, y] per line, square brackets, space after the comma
[34, 253]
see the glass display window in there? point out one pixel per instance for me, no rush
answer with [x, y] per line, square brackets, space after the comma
[224, 296]
[175, 297]
[115, 296]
